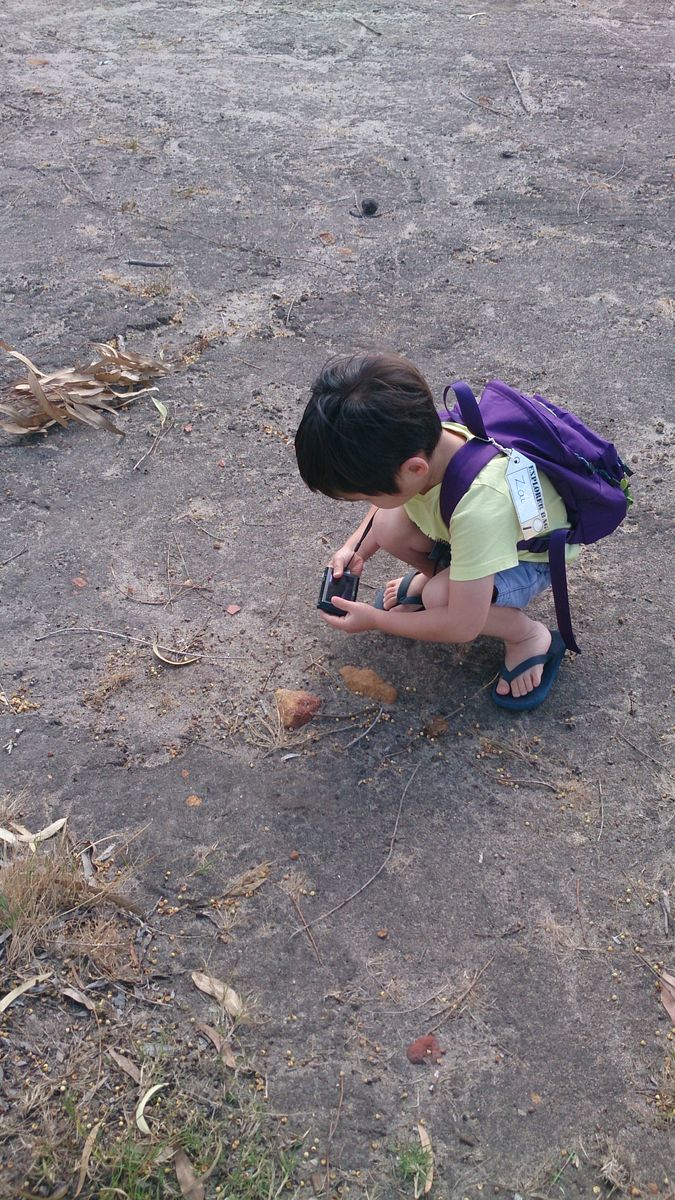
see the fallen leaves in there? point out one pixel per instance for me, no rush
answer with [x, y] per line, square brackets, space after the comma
[79, 998]
[190, 1186]
[125, 1064]
[24, 836]
[296, 708]
[82, 393]
[425, 1048]
[26, 986]
[668, 994]
[429, 1175]
[233, 609]
[173, 658]
[221, 1045]
[249, 882]
[140, 1107]
[436, 727]
[221, 992]
[366, 682]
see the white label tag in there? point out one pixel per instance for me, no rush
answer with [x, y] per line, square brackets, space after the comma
[528, 499]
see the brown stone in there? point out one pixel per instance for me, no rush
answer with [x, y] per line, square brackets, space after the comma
[296, 708]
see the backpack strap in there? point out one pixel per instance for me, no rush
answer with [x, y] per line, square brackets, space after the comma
[468, 407]
[561, 600]
[460, 473]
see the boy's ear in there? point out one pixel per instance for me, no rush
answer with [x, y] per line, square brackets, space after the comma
[416, 468]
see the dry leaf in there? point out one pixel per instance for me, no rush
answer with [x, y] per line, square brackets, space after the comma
[125, 1064]
[233, 609]
[193, 801]
[79, 582]
[10, 838]
[190, 1187]
[296, 708]
[23, 987]
[249, 882]
[86, 1155]
[83, 393]
[327, 238]
[426, 1145]
[34, 839]
[173, 658]
[220, 991]
[365, 682]
[79, 998]
[140, 1107]
[37, 62]
[668, 994]
[222, 1046]
[383, 934]
[436, 727]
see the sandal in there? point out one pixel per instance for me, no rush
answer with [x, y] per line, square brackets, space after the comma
[551, 661]
[402, 596]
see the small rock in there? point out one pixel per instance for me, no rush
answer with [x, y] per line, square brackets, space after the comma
[296, 708]
[294, 855]
[383, 934]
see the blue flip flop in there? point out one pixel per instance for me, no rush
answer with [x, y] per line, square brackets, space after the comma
[402, 596]
[551, 662]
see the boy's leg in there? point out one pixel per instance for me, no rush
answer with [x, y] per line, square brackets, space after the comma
[401, 538]
[523, 638]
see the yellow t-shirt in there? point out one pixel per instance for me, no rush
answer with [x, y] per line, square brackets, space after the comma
[484, 529]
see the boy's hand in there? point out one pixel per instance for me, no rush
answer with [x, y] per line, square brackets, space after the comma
[345, 559]
[360, 618]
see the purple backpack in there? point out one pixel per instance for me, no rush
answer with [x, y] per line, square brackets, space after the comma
[585, 470]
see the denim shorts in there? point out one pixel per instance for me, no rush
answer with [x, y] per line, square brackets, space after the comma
[519, 585]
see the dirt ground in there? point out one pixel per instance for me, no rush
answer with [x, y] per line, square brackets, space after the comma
[521, 164]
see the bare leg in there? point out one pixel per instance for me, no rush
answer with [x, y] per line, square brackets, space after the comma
[523, 638]
[400, 537]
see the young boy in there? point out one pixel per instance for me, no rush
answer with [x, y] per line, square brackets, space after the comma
[370, 432]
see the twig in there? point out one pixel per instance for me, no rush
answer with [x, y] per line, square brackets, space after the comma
[645, 962]
[143, 262]
[487, 107]
[392, 841]
[403, 1012]
[128, 638]
[306, 928]
[366, 731]
[581, 923]
[637, 750]
[602, 810]
[368, 27]
[447, 1013]
[247, 363]
[597, 182]
[518, 88]
[164, 428]
[332, 1131]
[290, 310]
[13, 556]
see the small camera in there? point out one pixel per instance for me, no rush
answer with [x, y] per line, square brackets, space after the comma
[346, 587]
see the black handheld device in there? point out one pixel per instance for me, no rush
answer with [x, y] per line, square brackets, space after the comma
[347, 586]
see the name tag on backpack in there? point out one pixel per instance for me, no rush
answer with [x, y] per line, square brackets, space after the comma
[527, 495]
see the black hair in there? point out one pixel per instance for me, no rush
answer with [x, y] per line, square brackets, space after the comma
[366, 415]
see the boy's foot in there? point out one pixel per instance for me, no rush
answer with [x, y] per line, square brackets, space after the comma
[403, 592]
[538, 642]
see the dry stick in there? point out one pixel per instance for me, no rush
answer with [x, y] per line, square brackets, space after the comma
[332, 1130]
[402, 1012]
[518, 88]
[13, 556]
[602, 810]
[486, 107]
[365, 731]
[637, 750]
[306, 928]
[128, 638]
[460, 1000]
[648, 965]
[597, 182]
[581, 924]
[368, 27]
[164, 428]
[373, 877]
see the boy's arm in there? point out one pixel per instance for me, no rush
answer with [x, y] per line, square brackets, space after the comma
[345, 559]
[460, 621]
